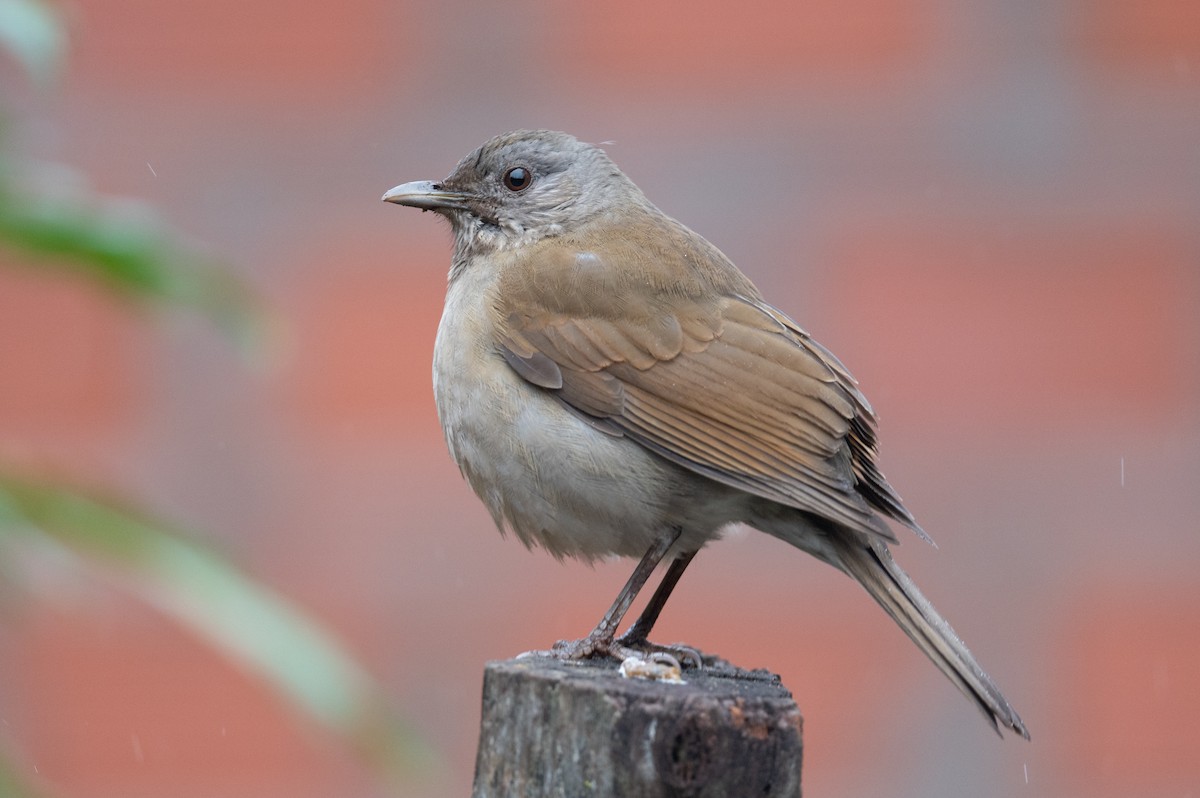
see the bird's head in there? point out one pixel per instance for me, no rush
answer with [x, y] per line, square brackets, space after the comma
[521, 187]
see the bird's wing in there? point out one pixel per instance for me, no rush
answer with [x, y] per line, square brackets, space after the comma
[730, 388]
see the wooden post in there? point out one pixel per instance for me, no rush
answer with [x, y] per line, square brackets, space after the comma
[555, 729]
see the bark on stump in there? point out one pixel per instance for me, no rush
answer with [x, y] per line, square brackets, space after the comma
[553, 729]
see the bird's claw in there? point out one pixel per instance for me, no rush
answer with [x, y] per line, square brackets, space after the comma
[622, 648]
[684, 656]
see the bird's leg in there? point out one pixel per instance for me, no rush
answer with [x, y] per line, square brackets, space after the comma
[600, 640]
[640, 630]
[637, 636]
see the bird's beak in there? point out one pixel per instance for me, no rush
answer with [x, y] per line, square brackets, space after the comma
[427, 195]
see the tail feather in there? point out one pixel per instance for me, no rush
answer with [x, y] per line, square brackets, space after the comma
[871, 564]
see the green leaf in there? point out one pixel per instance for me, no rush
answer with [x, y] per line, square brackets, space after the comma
[33, 33]
[124, 244]
[251, 623]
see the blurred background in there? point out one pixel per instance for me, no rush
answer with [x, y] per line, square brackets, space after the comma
[988, 209]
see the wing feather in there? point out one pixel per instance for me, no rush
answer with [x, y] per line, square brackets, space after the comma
[730, 388]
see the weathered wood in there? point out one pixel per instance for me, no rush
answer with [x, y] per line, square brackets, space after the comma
[555, 729]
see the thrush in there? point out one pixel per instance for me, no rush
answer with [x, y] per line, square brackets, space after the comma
[609, 383]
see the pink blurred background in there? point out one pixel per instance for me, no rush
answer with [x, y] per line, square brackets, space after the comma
[989, 210]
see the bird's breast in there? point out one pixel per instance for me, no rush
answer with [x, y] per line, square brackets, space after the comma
[542, 472]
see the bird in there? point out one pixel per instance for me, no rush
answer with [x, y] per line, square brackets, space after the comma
[611, 384]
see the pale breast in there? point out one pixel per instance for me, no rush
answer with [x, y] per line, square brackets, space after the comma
[540, 470]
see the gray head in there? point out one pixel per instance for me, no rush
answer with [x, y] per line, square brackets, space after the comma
[520, 187]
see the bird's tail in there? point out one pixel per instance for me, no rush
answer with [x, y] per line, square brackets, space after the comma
[873, 567]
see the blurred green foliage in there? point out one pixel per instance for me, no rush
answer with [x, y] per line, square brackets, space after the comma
[249, 622]
[51, 219]
[51, 216]
[121, 243]
[32, 33]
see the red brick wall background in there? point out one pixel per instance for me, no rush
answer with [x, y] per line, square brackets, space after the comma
[988, 210]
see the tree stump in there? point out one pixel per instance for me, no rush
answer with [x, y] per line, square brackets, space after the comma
[554, 729]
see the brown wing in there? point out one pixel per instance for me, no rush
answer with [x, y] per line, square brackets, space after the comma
[729, 388]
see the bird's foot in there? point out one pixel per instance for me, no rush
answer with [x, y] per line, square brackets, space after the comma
[684, 656]
[584, 648]
[622, 649]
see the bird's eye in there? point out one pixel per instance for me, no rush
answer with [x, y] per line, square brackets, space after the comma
[518, 178]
